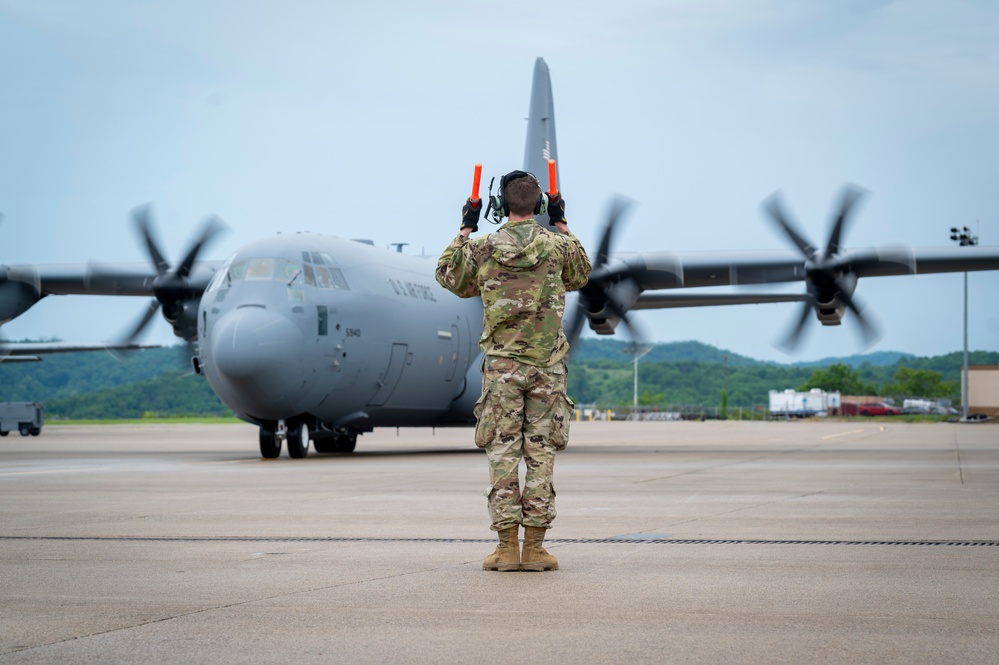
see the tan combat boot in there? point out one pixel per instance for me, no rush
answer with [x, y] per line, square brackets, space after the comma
[507, 555]
[536, 557]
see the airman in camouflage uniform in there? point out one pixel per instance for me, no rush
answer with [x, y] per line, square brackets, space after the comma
[522, 273]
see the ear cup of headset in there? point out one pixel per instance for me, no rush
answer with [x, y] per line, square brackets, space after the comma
[542, 206]
[499, 205]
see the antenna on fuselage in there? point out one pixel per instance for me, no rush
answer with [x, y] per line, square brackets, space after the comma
[398, 246]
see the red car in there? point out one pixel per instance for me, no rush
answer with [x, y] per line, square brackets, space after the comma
[877, 409]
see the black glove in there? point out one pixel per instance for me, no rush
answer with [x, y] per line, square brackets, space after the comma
[470, 214]
[556, 210]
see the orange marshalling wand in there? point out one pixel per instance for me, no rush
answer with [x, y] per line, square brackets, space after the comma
[475, 182]
[552, 185]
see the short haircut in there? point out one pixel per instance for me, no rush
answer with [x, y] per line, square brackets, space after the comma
[522, 195]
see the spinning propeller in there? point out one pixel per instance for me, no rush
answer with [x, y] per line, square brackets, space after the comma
[172, 290]
[830, 276]
[596, 300]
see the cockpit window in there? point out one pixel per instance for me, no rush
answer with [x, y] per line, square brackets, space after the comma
[237, 271]
[220, 275]
[338, 281]
[259, 269]
[317, 270]
[281, 270]
[286, 271]
[323, 280]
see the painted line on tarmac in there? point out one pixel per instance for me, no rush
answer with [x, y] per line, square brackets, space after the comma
[835, 436]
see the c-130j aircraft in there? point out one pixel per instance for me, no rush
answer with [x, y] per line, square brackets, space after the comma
[316, 338]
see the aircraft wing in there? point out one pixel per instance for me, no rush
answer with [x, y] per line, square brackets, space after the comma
[177, 287]
[118, 279]
[652, 271]
[41, 348]
[655, 280]
[21, 286]
[32, 351]
[674, 300]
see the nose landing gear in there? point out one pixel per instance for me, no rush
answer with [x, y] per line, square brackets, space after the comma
[298, 440]
[270, 444]
[273, 437]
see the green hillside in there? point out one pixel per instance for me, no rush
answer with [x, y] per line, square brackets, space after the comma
[99, 385]
[160, 382]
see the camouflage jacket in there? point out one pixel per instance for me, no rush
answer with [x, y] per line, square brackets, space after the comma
[521, 273]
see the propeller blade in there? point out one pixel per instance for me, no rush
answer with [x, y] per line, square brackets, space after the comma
[634, 331]
[211, 227]
[141, 219]
[601, 278]
[851, 194]
[791, 340]
[773, 207]
[147, 316]
[618, 206]
[574, 326]
[868, 330]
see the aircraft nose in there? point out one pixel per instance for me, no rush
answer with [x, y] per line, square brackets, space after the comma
[258, 353]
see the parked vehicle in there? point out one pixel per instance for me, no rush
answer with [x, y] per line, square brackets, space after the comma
[25, 417]
[924, 406]
[793, 404]
[877, 409]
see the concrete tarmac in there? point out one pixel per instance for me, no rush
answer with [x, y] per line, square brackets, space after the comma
[785, 542]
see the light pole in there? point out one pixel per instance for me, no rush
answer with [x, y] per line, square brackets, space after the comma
[964, 237]
[639, 350]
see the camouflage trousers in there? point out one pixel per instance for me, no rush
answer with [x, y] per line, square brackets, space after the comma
[523, 414]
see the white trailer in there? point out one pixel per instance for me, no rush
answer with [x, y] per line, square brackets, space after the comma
[924, 406]
[794, 404]
[24, 417]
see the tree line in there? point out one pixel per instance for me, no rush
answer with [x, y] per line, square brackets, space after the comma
[602, 372]
[160, 382]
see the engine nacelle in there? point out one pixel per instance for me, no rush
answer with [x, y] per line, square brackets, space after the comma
[829, 307]
[602, 318]
[17, 295]
[831, 313]
[183, 316]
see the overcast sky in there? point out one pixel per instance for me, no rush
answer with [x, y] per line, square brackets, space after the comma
[365, 119]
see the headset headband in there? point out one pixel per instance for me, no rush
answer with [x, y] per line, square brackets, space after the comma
[514, 175]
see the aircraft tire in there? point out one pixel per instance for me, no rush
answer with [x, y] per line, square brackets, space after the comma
[298, 441]
[270, 445]
[341, 443]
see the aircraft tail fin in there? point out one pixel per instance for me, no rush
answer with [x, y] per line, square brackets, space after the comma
[540, 145]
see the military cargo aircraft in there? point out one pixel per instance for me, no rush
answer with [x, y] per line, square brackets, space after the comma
[316, 339]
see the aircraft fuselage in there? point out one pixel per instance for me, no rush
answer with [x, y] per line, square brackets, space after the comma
[338, 334]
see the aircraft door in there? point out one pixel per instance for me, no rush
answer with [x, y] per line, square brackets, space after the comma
[389, 379]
